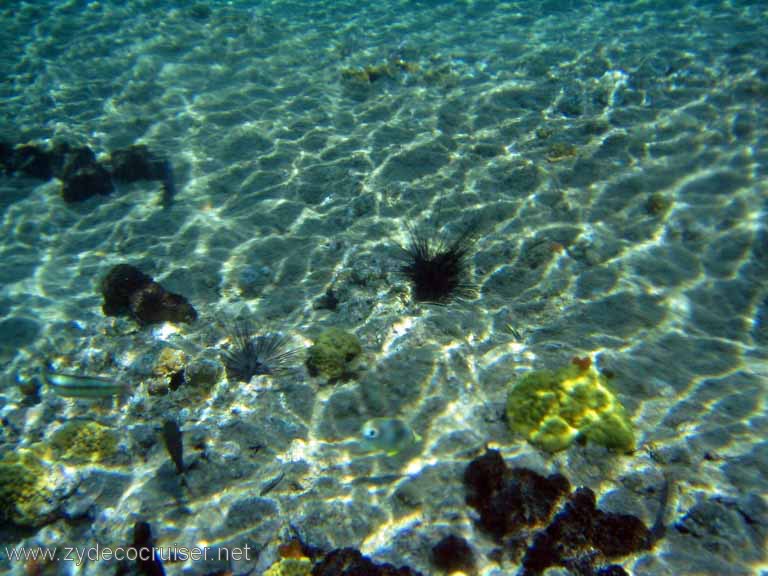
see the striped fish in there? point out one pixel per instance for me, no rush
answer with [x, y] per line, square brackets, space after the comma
[82, 385]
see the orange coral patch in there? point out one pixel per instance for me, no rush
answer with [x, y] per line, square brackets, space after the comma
[583, 363]
[291, 549]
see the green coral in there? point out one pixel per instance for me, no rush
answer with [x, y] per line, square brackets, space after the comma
[333, 354]
[25, 494]
[82, 442]
[553, 408]
[290, 567]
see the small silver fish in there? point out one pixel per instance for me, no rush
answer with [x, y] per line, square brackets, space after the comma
[82, 385]
[390, 435]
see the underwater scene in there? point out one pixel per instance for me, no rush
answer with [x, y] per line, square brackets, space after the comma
[398, 288]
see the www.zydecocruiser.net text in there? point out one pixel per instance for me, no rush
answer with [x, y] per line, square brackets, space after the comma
[98, 553]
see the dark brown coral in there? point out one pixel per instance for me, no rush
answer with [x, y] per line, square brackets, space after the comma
[128, 291]
[581, 537]
[453, 554]
[581, 530]
[118, 285]
[153, 304]
[510, 500]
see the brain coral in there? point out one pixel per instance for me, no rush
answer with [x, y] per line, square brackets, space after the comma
[333, 354]
[553, 408]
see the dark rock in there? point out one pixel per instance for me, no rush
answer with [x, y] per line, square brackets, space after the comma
[350, 562]
[582, 530]
[117, 287]
[68, 160]
[484, 476]
[33, 161]
[128, 291]
[568, 535]
[579, 538]
[6, 158]
[617, 535]
[86, 181]
[510, 500]
[453, 554]
[177, 379]
[61, 161]
[538, 495]
[81, 175]
[152, 304]
[139, 163]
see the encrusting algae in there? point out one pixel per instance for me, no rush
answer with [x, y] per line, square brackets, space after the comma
[293, 561]
[290, 567]
[25, 489]
[552, 409]
[83, 442]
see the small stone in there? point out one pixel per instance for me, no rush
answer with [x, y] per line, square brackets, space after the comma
[453, 554]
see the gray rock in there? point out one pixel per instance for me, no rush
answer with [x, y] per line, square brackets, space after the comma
[722, 527]
[97, 488]
[249, 513]
[334, 524]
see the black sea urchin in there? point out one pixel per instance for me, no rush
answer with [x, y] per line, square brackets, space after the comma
[436, 269]
[251, 355]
